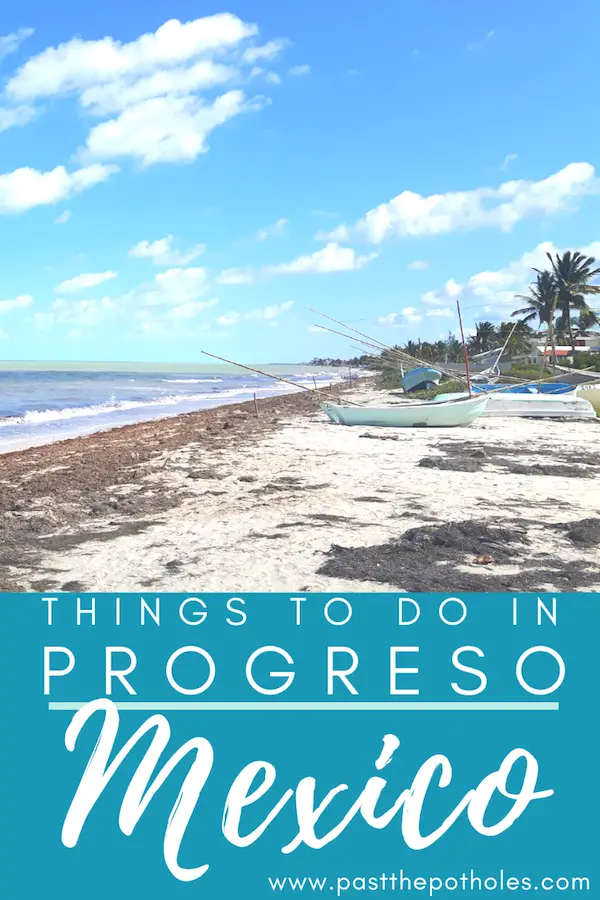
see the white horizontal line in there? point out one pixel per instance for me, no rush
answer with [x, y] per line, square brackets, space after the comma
[328, 706]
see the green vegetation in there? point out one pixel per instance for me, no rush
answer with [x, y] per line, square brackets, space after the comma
[446, 386]
[487, 336]
[594, 400]
[524, 370]
[556, 301]
[354, 363]
[540, 299]
[563, 290]
[583, 360]
[389, 380]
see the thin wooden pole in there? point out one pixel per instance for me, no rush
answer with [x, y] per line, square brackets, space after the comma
[381, 346]
[391, 350]
[255, 406]
[302, 387]
[464, 343]
[551, 328]
[378, 345]
[505, 345]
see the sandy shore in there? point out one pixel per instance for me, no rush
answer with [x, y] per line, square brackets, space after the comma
[223, 501]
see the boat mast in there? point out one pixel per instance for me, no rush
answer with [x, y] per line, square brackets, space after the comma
[466, 354]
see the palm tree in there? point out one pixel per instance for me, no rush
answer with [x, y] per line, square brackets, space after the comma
[454, 351]
[586, 321]
[519, 342]
[413, 348]
[441, 351]
[485, 337]
[573, 274]
[541, 304]
[540, 299]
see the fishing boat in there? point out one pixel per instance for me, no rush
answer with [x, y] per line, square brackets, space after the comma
[420, 379]
[533, 388]
[543, 406]
[538, 406]
[454, 412]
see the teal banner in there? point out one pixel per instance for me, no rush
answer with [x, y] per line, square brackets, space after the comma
[252, 746]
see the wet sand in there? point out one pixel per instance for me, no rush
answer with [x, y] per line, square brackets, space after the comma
[221, 500]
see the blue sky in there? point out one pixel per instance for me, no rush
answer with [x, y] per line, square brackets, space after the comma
[177, 176]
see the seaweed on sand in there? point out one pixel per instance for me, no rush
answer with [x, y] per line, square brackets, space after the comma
[586, 531]
[433, 557]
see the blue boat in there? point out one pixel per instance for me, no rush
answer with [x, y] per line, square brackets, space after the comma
[532, 388]
[420, 379]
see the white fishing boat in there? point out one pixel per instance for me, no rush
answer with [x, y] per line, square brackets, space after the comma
[542, 406]
[456, 411]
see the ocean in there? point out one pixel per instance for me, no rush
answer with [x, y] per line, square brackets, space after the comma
[40, 404]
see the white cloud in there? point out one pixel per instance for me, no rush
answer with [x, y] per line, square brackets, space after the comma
[277, 228]
[83, 282]
[229, 318]
[177, 286]
[269, 312]
[444, 313]
[164, 129]
[78, 64]
[331, 258]
[324, 213]
[266, 51]
[26, 188]
[118, 95]
[13, 116]
[265, 314]
[162, 252]
[296, 71]
[438, 298]
[78, 313]
[172, 325]
[270, 77]
[418, 264]
[508, 159]
[191, 309]
[235, 276]
[151, 86]
[147, 324]
[408, 314]
[412, 215]
[9, 43]
[492, 293]
[63, 218]
[20, 302]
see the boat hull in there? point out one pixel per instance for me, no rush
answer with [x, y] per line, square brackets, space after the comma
[542, 406]
[412, 415]
[420, 379]
[532, 388]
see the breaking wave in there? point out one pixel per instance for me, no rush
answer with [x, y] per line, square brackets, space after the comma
[43, 416]
[193, 380]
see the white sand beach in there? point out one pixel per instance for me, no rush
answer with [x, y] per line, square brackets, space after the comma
[263, 515]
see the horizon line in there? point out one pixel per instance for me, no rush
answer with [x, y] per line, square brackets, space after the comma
[133, 362]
